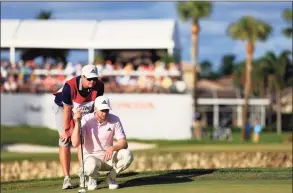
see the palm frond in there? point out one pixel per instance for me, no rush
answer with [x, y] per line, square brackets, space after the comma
[250, 29]
[183, 11]
[194, 10]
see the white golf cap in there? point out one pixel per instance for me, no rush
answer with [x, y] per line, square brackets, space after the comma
[89, 71]
[102, 103]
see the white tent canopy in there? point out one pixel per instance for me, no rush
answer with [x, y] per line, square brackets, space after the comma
[54, 34]
[135, 34]
[90, 34]
[8, 30]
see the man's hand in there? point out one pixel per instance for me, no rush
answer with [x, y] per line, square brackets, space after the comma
[109, 153]
[64, 138]
[77, 114]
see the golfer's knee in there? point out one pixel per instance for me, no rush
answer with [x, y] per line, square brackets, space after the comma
[92, 166]
[89, 165]
[127, 157]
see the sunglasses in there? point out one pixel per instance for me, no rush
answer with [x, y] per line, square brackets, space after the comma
[91, 79]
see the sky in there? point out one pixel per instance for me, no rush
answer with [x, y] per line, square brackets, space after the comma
[213, 41]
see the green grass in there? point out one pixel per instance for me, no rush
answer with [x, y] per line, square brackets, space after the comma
[13, 156]
[187, 181]
[28, 135]
[45, 136]
[266, 138]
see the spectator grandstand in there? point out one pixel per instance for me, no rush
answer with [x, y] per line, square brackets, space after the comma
[30, 77]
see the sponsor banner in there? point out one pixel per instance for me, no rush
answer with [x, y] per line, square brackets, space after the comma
[144, 116]
[27, 109]
[154, 116]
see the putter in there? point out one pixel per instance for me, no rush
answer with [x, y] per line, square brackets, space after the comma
[81, 142]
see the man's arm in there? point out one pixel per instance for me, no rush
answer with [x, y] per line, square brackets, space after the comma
[67, 114]
[67, 110]
[120, 144]
[121, 141]
[75, 137]
[67, 105]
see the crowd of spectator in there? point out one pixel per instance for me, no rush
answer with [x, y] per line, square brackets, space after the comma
[30, 77]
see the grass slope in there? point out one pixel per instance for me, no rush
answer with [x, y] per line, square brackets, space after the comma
[270, 142]
[187, 181]
[28, 135]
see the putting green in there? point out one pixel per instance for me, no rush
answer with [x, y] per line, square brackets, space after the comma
[187, 181]
[239, 186]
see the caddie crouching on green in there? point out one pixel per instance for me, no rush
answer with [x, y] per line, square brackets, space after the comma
[99, 153]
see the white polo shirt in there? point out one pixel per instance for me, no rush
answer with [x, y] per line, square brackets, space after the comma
[98, 137]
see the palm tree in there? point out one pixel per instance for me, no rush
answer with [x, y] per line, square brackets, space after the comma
[32, 53]
[194, 11]
[249, 30]
[287, 16]
[277, 68]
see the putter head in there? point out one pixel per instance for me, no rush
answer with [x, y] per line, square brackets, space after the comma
[82, 191]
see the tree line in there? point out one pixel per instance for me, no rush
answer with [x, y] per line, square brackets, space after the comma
[249, 30]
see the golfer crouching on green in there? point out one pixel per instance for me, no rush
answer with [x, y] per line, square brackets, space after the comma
[97, 130]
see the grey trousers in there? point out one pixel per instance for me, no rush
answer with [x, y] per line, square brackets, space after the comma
[93, 163]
